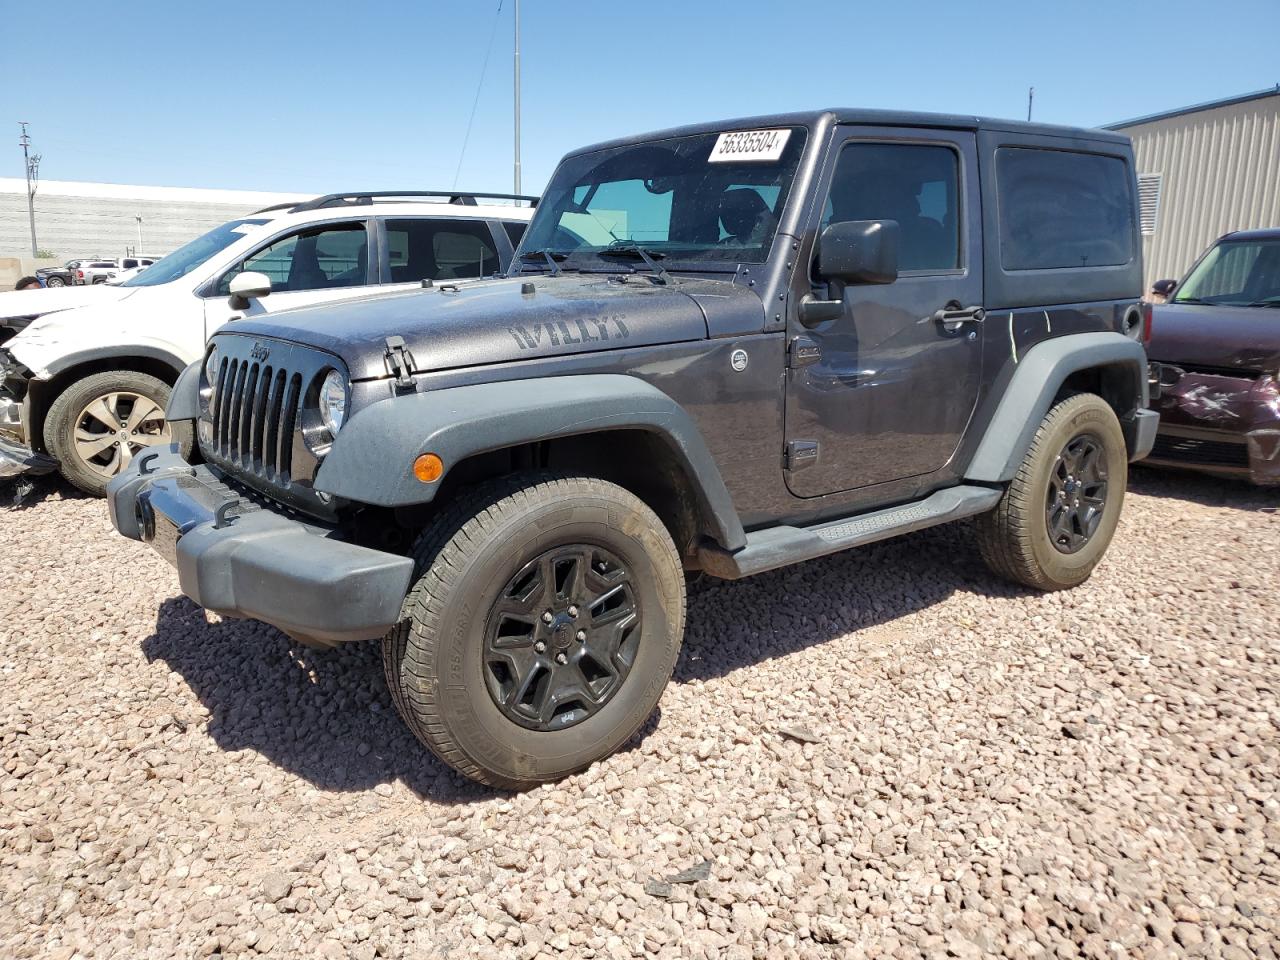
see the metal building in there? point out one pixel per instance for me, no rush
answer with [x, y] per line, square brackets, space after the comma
[112, 219]
[1203, 171]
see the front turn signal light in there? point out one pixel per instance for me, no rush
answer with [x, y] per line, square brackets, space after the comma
[428, 468]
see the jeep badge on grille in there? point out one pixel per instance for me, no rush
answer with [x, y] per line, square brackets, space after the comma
[260, 352]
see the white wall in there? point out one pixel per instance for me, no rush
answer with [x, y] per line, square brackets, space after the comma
[98, 219]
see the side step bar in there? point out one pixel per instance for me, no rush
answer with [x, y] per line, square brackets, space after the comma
[776, 547]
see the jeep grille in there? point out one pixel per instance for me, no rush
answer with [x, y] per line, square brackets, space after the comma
[253, 422]
[253, 430]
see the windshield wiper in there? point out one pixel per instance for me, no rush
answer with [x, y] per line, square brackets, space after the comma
[552, 258]
[633, 251]
[1269, 302]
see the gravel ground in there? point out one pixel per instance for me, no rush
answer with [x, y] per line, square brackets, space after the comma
[887, 753]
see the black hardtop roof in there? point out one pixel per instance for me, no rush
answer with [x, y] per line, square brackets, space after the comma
[868, 117]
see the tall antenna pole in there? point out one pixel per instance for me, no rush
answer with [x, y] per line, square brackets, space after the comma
[31, 165]
[1031, 95]
[517, 72]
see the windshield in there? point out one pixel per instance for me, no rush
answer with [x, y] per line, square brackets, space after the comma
[1236, 273]
[705, 197]
[189, 256]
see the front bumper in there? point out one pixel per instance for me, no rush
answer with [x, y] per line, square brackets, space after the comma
[241, 560]
[1226, 426]
[15, 459]
[1252, 456]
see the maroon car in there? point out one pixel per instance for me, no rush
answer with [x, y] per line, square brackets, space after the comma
[1215, 348]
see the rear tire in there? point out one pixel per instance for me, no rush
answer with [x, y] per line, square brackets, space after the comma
[543, 626]
[89, 449]
[1060, 511]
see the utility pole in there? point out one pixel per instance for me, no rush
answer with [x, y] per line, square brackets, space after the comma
[31, 162]
[138, 252]
[517, 72]
[1031, 95]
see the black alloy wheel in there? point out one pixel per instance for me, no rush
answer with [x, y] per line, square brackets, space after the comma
[1060, 511]
[543, 624]
[1077, 493]
[562, 637]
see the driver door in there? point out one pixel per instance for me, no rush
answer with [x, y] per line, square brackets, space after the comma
[317, 264]
[883, 391]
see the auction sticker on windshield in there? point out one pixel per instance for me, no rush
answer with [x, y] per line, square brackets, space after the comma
[756, 145]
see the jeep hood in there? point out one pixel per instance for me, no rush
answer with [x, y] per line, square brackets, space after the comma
[1240, 338]
[35, 303]
[495, 321]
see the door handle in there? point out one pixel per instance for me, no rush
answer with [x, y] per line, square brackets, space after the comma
[953, 315]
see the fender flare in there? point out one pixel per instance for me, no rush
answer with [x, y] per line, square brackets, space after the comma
[66, 362]
[184, 398]
[370, 461]
[1031, 391]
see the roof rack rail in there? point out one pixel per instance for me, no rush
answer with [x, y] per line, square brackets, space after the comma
[364, 197]
[287, 205]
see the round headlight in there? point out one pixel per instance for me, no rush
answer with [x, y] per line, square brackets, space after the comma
[211, 373]
[333, 401]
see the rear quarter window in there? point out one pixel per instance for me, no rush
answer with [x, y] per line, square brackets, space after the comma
[1060, 209]
[515, 230]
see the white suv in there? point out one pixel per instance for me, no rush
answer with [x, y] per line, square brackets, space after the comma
[85, 372]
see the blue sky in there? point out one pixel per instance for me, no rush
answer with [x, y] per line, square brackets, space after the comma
[325, 95]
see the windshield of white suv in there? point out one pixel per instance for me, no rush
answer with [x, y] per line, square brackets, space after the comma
[189, 256]
[1235, 273]
[713, 196]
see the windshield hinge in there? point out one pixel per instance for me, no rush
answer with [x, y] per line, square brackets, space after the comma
[399, 362]
[799, 454]
[803, 351]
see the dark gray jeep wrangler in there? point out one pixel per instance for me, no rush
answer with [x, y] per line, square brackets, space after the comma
[723, 348]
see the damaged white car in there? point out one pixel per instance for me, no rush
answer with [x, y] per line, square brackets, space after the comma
[85, 372]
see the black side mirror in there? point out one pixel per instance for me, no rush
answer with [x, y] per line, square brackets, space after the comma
[1163, 288]
[859, 251]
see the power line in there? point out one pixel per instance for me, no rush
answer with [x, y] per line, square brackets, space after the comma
[493, 31]
[516, 71]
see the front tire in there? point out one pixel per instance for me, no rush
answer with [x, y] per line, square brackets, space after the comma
[98, 425]
[1059, 513]
[540, 633]
[55, 282]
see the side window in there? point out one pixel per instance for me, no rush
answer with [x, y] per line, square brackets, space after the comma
[515, 230]
[1061, 209]
[916, 185]
[439, 249]
[319, 258]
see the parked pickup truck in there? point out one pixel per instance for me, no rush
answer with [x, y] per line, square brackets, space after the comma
[90, 272]
[63, 276]
[721, 349]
